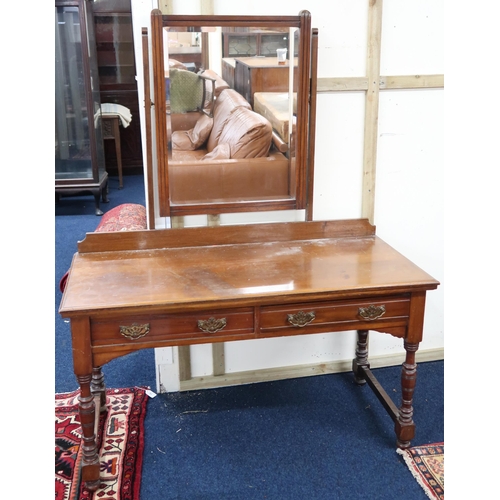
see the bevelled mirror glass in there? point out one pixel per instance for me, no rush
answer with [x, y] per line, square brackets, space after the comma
[232, 112]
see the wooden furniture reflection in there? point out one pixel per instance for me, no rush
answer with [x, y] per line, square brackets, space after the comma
[262, 74]
[253, 42]
[187, 55]
[228, 65]
[111, 130]
[177, 287]
[117, 78]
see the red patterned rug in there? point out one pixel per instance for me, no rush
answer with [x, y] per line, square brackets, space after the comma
[426, 463]
[120, 440]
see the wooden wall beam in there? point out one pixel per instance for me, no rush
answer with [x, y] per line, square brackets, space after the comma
[360, 83]
[166, 7]
[412, 82]
[207, 7]
[353, 83]
[184, 363]
[371, 108]
[218, 359]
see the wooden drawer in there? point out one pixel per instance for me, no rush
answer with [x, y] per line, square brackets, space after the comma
[332, 316]
[172, 327]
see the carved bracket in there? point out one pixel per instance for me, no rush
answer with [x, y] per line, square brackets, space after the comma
[301, 318]
[134, 331]
[371, 312]
[211, 325]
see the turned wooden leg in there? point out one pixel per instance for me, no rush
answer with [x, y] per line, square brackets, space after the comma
[90, 459]
[405, 427]
[97, 386]
[118, 148]
[361, 358]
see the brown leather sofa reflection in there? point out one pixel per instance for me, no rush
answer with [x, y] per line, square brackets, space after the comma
[230, 154]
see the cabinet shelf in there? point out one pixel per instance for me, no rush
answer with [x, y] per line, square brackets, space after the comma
[255, 42]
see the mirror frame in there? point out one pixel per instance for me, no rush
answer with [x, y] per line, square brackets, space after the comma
[304, 155]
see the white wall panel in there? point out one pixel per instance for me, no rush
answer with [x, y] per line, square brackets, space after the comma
[339, 156]
[289, 351]
[409, 208]
[412, 37]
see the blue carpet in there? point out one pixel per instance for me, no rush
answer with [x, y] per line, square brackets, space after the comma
[84, 204]
[311, 438]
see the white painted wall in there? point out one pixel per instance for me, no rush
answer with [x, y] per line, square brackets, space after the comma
[141, 18]
[409, 183]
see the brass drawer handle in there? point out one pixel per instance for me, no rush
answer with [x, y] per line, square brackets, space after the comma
[134, 331]
[301, 318]
[372, 312]
[211, 325]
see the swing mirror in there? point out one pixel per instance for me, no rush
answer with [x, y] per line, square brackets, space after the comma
[232, 112]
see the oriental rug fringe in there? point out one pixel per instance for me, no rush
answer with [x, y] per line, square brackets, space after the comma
[120, 443]
[426, 463]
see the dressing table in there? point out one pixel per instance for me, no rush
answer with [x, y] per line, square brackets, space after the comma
[176, 287]
[181, 287]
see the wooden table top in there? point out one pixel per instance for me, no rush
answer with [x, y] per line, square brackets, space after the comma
[264, 62]
[230, 266]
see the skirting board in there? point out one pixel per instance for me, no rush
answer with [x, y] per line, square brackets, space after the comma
[297, 371]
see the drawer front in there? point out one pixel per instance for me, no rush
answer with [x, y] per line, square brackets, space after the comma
[330, 316]
[172, 327]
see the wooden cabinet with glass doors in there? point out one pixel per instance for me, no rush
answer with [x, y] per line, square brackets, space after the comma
[79, 151]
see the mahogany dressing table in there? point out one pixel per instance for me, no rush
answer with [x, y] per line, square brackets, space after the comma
[146, 289]
[132, 290]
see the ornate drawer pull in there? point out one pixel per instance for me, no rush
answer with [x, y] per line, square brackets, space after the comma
[134, 331]
[301, 318]
[371, 312]
[211, 325]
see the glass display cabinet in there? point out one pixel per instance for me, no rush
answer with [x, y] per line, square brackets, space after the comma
[257, 42]
[79, 151]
